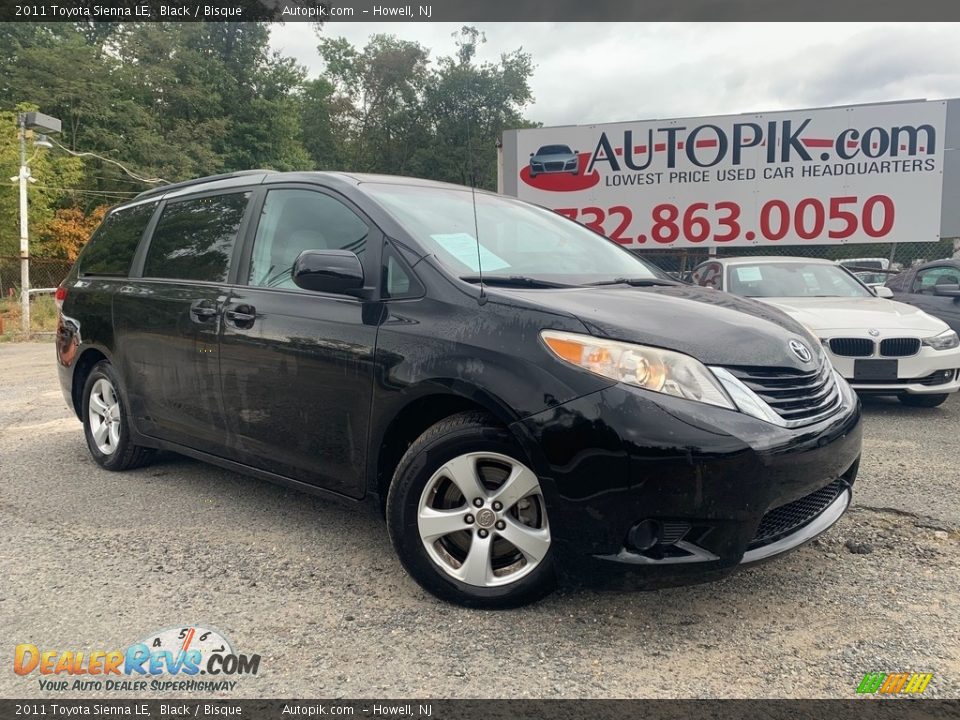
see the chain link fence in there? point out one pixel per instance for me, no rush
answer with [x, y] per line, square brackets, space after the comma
[898, 255]
[44, 273]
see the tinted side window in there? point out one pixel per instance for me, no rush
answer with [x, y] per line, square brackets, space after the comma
[928, 279]
[296, 220]
[194, 239]
[111, 249]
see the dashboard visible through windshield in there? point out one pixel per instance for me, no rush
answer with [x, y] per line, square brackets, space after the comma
[792, 279]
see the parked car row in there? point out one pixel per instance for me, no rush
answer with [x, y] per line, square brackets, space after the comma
[880, 346]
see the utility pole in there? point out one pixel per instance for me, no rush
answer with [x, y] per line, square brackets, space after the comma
[42, 123]
[24, 231]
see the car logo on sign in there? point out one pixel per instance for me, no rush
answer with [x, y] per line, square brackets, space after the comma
[801, 351]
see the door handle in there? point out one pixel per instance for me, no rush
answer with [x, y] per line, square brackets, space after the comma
[203, 309]
[243, 316]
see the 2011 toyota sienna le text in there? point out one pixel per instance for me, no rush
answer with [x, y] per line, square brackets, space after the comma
[574, 414]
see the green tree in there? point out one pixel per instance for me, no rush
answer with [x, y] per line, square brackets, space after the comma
[376, 107]
[55, 174]
[469, 106]
[317, 109]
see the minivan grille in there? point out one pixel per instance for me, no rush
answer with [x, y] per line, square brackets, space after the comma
[852, 347]
[787, 519]
[899, 347]
[795, 396]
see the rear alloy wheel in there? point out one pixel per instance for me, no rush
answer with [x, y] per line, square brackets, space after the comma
[924, 401]
[103, 414]
[468, 518]
[105, 422]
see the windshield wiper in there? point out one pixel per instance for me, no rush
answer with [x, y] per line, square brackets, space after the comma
[636, 282]
[513, 281]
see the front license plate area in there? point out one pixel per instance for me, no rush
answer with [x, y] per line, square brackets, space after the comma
[875, 369]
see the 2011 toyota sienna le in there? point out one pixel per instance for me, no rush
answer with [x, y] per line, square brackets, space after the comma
[525, 399]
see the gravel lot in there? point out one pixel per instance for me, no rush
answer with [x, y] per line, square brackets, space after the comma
[92, 559]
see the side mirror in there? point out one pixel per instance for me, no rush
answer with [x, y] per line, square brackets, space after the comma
[945, 290]
[883, 292]
[531, 154]
[329, 271]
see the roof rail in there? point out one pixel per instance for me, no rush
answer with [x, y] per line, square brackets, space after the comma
[198, 181]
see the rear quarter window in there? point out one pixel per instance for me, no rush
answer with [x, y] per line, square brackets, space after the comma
[111, 248]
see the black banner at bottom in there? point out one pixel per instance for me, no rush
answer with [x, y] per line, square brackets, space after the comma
[861, 708]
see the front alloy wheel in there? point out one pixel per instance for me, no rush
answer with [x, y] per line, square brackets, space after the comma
[482, 519]
[467, 515]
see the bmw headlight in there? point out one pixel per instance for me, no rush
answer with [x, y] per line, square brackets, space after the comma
[947, 340]
[650, 368]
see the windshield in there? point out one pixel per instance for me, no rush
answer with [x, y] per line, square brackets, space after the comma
[516, 238]
[554, 150]
[793, 279]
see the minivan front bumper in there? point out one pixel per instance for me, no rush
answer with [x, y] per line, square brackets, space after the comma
[646, 490]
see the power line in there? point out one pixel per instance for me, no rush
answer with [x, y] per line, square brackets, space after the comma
[82, 191]
[149, 181]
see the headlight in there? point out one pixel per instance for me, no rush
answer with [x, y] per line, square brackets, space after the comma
[947, 340]
[646, 367]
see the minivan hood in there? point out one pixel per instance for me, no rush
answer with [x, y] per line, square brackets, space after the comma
[714, 327]
[830, 314]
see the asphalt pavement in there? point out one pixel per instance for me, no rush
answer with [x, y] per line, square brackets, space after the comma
[96, 560]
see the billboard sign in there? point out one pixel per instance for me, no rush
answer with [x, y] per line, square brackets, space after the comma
[866, 173]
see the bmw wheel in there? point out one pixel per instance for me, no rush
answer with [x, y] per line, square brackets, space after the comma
[467, 516]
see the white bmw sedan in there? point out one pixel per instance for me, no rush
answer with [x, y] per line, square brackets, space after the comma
[880, 346]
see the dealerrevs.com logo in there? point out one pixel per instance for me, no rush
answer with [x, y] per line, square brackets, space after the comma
[186, 658]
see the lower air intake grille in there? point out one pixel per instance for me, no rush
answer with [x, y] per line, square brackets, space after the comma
[852, 347]
[798, 397]
[899, 347]
[789, 518]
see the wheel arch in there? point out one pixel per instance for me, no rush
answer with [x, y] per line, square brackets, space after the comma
[88, 358]
[420, 410]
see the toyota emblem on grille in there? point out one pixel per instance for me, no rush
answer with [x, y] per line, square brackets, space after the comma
[801, 351]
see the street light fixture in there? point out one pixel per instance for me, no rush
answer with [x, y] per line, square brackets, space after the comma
[44, 124]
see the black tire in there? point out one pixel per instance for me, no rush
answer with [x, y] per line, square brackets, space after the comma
[923, 401]
[462, 433]
[126, 455]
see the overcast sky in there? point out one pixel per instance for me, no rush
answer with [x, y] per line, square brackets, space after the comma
[606, 72]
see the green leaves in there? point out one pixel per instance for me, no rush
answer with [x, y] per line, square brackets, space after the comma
[392, 112]
[183, 100]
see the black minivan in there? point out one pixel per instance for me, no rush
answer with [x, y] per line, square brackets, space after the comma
[526, 400]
